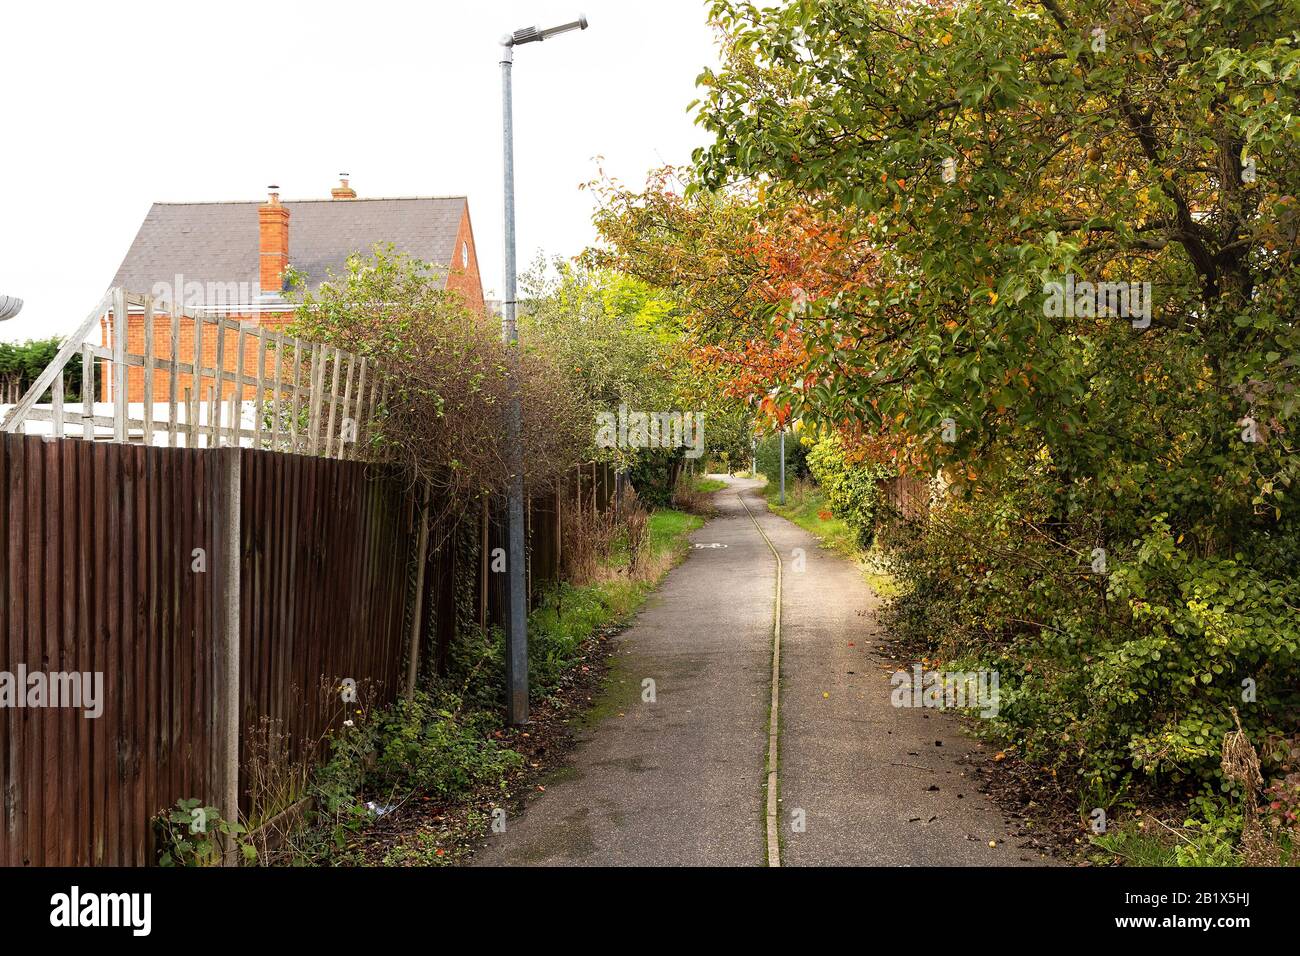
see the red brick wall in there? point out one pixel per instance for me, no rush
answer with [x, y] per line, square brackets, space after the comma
[162, 347]
[466, 279]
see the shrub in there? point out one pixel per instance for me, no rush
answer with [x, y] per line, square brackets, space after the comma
[429, 746]
[1119, 675]
[190, 834]
[655, 474]
[448, 378]
[768, 457]
[851, 486]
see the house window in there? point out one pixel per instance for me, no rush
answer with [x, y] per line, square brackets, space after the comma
[464, 255]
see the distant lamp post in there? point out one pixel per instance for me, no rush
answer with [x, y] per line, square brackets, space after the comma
[9, 307]
[782, 501]
[517, 633]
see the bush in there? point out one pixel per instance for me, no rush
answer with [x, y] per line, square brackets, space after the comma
[851, 486]
[429, 746]
[190, 834]
[768, 456]
[447, 377]
[1119, 672]
[655, 474]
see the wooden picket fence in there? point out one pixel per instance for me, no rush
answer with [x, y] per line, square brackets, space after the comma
[243, 385]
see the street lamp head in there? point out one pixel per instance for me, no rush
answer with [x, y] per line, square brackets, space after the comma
[531, 34]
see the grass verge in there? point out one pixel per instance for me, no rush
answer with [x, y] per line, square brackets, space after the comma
[806, 506]
[706, 486]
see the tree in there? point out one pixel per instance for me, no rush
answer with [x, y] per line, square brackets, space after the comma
[619, 342]
[614, 337]
[447, 378]
[990, 153]
[1118, 154]
[22, 362]
[740, 265]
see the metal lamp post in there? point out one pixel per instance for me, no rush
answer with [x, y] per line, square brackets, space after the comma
[782, 501]
[517, 630]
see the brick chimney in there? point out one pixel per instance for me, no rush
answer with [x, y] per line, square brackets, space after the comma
[344, 191]
[273, 236]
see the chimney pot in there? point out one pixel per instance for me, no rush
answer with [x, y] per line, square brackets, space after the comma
[344, 191]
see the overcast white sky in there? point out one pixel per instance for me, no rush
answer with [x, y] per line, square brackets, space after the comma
[108, 107]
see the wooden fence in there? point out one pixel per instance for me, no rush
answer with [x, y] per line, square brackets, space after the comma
[907, 496]
[323, 549]
[204, 380]
[219, 592]
[101, 543]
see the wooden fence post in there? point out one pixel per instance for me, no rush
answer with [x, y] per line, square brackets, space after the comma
[483, 569]
[225, 711]
[146, 409]
[56, 405]
[87, 394]
[173, 379]
[559, 529]
[119, 367]
[422, 552]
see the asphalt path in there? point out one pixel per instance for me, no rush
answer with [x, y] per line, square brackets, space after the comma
[681, 779]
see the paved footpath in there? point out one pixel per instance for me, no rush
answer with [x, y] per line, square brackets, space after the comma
[681, 781]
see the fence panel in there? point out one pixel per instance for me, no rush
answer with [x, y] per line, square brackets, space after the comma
[100, 583]
[201, 379]
[113, 566]
[324, 546]
[907, 496]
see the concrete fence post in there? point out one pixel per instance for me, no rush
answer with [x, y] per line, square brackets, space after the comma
[225, 716]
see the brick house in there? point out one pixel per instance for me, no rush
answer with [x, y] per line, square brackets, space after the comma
[231, 258]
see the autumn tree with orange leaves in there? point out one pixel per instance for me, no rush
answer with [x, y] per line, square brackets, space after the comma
[745, 267]
[1120, 536]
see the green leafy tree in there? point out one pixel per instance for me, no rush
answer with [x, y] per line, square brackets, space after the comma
[447, 375]
[987, 150]
[620, 342]
[613, 336]
[22, 362]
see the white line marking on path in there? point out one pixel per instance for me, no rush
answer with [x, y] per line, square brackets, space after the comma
[774, 723]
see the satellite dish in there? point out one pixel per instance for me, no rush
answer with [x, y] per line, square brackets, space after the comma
[9, 307]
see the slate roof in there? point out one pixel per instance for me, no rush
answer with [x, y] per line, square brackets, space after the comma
[218, 241]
